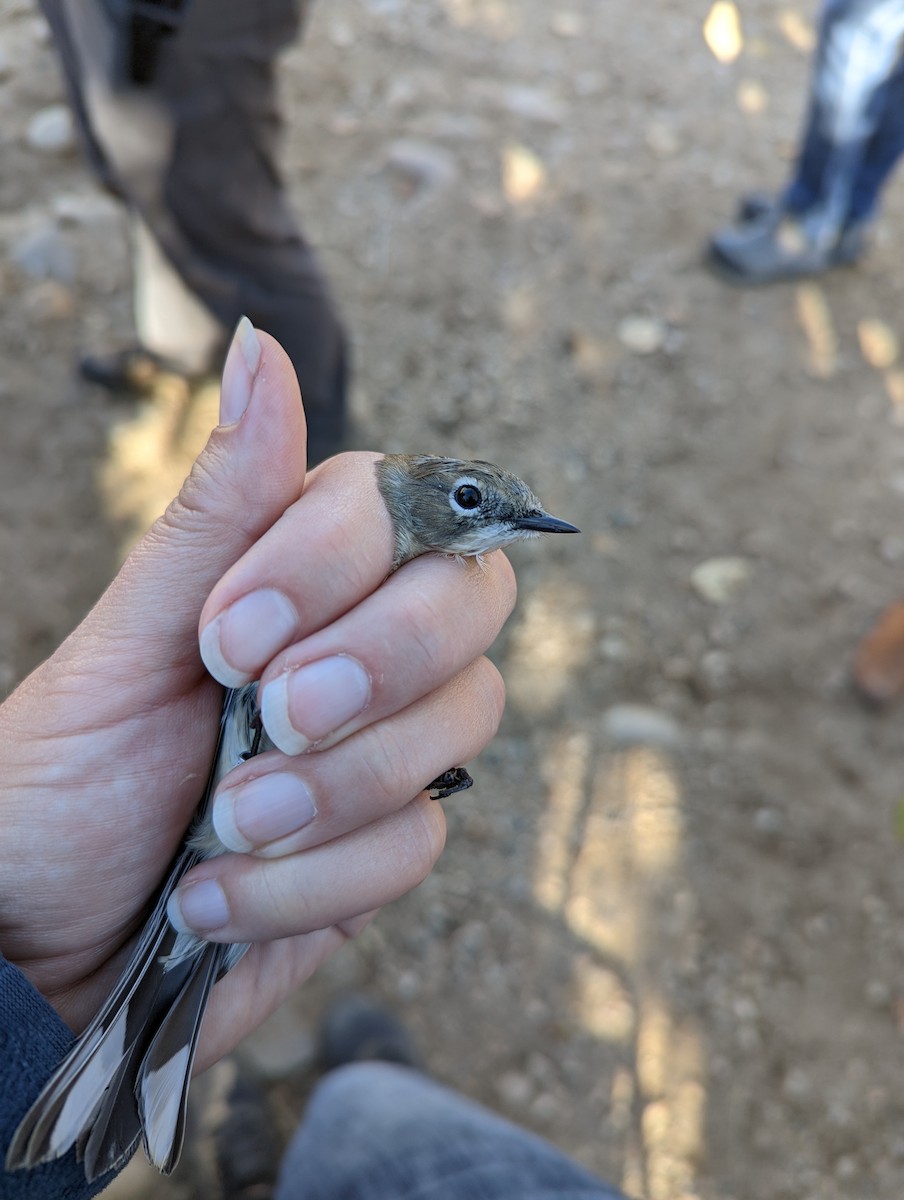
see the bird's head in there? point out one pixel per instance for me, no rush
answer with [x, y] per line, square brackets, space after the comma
[457, 506]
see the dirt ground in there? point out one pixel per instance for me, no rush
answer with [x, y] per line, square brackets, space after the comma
[668, 929]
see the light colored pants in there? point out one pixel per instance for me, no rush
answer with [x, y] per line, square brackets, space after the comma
[374, 1131]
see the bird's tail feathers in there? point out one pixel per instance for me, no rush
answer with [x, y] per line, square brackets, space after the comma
[162, 1088]
[83, 1091]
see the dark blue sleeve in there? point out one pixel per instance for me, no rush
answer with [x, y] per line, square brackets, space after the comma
[33, 1040]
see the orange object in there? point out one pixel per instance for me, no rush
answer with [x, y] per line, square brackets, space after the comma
[879, 657]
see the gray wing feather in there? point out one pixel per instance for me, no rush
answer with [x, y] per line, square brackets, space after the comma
[128, 1073]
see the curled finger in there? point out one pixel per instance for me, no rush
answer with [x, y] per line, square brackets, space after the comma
[274, 805]
[238, 898]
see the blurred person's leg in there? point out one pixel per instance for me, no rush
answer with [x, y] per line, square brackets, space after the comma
[377, 1131]
[885, 147]
[193, 152]
[850, 125]
[852, 139]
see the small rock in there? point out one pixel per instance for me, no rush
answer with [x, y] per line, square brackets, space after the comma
[344, 124]
[623, 518]
[614, 648]
[715, 671]
[50, 130]
[401, 92]
[767, 822]
[341, 35]
[545, 1108]
[514, 1089]
[588, 83]
[641, 335]
[891, 549]
[633, 724]
[897, 1149]
[718, 579]
[745, 1009]
[472, 938]
[816, 927]
[796, 1085]
[677, 669]
[408, 986]
[540, 1068]
[877, 994]
[685, 538]
[662, 140]
[49, 300]
[43, 253]
[534, 104]
[425, 166]
[84, 208]
[749, 1038]
[847, 1168]
[566, 24]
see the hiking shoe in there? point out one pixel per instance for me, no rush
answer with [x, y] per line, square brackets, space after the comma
[355, 1029]
[774, 246]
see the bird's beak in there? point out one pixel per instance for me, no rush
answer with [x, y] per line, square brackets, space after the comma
[543, 523]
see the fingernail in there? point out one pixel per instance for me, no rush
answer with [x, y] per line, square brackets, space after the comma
[237, 644]
[241, 365]
[262, 810]
[198, 907]
[302, 706]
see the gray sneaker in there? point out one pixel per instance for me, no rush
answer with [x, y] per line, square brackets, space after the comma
[770, 245]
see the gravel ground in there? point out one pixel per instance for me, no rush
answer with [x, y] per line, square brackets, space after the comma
[665, 931]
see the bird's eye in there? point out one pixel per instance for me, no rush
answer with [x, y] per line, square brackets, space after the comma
[467, 496]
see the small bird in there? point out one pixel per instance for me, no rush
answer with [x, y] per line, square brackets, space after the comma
[127, 1075]
[459, 508]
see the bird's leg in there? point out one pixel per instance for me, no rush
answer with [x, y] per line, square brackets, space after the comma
[456, 779]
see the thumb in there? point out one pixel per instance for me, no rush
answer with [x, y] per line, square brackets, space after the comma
[250, 471]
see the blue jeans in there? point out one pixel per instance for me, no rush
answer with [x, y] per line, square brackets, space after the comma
[854, 134]
[374, 1131]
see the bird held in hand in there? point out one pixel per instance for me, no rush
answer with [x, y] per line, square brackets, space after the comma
[127, 1075]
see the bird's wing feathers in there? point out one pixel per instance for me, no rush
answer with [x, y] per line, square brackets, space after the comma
[129, 1070]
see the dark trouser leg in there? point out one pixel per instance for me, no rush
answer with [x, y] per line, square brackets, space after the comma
[194, 155]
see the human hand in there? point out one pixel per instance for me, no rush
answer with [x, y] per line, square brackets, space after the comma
[105, 748]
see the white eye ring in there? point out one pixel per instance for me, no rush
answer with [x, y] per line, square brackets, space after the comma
[460, 485]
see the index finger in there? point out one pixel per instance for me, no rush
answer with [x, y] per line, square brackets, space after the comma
[329, 550]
